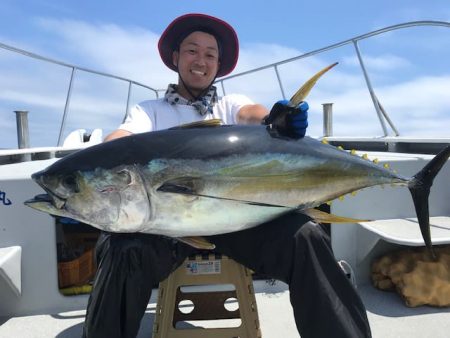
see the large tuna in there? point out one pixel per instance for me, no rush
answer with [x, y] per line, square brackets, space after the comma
[196, 181]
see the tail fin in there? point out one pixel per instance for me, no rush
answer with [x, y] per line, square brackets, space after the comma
[420, 186]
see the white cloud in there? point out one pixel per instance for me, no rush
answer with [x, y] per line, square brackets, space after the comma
[384, 62]
[128, 52]
[418, 107]
[255, 55]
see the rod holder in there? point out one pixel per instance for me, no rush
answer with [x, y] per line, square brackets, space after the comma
[23, 135]
[327, 119]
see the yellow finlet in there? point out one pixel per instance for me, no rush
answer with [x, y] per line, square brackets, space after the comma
[323, 217]
[340, 147]
[324, 141]
[376, 161]
[304, 90]
[365, 156]
[386, 165]
[353, 152]
[197, 242]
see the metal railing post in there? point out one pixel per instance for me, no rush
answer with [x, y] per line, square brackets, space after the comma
[223, 88]
[369, 86]
[66, 108]
[128, 98]
[279, 82]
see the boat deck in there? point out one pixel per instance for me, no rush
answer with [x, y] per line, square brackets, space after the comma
[388, 316]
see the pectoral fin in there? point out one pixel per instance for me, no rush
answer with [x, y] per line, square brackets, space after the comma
[324, 217]
[182, 185]
[197, 242]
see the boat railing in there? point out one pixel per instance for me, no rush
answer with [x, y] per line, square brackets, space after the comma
[76, 69]
[383, 116]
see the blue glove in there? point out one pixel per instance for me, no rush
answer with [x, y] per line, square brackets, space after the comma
[288, 121]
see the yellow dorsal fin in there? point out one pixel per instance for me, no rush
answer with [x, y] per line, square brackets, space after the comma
[323, 217]
[197, 242]
[304, 90]
[200, 124]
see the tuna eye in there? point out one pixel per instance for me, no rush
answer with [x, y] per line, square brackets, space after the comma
[70, 183]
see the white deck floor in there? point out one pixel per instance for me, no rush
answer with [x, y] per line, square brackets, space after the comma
[388, 316]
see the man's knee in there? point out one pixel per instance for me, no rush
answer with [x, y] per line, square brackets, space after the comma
[313, 233]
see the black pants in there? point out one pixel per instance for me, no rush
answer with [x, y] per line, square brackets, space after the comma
[289, 249]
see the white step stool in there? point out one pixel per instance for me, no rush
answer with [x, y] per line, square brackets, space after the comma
[199, 274]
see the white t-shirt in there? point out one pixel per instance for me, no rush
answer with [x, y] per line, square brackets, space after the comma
[158, 114]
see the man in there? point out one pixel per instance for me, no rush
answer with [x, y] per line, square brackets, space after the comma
[292, 249]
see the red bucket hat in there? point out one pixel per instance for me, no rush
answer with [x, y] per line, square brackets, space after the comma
[225, 35]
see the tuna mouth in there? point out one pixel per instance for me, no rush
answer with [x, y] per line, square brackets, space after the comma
[40, 198]
[57, 201]
[48, 198]
[45, 203]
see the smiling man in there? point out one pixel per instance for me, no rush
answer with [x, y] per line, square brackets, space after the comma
[199, 48]
[290, 248]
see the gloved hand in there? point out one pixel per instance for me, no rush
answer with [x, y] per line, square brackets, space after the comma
[288, 121]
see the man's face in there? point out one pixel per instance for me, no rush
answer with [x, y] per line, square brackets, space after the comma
[197, 60]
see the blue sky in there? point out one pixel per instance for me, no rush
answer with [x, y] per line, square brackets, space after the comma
[409, 68]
